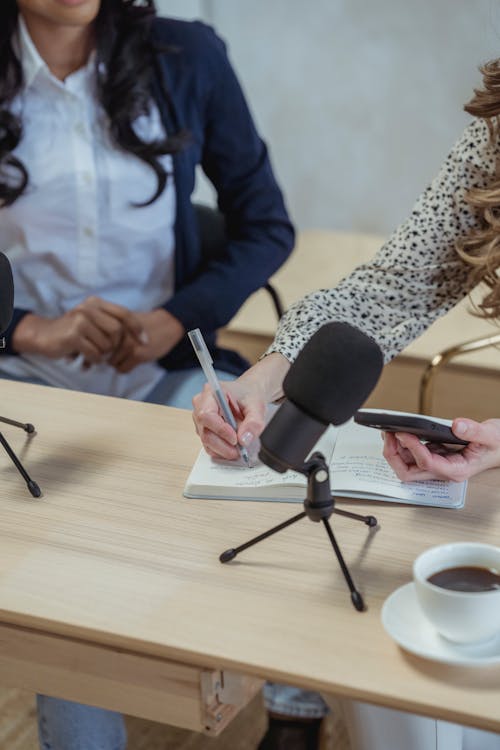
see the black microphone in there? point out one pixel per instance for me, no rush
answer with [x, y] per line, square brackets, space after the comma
[331, 378]
[6, 293]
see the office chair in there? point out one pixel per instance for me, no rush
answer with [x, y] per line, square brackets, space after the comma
[212, 230]
[426, 388]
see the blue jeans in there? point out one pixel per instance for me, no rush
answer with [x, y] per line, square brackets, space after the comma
[64, 725]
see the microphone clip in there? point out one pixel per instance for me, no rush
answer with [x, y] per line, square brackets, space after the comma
[319, 501]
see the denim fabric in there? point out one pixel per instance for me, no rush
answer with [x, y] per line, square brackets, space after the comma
[63, 725]
[177, 388]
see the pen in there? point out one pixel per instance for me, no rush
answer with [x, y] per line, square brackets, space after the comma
[206, 362]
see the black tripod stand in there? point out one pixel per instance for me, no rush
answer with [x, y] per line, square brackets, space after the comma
[29, 428]
[318, 506]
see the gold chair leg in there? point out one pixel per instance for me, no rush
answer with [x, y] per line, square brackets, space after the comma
[426, 388]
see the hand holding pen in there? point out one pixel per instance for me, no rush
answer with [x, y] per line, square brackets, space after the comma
[206, 362]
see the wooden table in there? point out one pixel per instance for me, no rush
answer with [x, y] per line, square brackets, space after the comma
[111, 591]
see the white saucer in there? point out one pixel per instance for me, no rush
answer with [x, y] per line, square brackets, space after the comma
[407, 625]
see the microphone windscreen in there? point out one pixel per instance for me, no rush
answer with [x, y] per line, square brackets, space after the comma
[6, 293]
[334, 373]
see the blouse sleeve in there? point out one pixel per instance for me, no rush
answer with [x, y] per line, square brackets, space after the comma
[417, 275]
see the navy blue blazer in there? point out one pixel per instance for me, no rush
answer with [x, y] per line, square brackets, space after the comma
[205, 99]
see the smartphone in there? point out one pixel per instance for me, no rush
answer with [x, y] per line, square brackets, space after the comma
[427, 429]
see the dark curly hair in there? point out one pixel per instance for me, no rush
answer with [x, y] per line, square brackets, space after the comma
[124, 45]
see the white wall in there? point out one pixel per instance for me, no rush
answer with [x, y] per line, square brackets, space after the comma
[182, 8]
[359, 100]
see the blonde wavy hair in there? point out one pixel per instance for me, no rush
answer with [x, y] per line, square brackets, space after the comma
[481, 248]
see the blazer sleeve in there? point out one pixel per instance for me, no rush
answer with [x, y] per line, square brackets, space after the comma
[260, 235]
[17, 316]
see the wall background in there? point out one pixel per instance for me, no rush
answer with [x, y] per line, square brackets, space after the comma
[359, 100]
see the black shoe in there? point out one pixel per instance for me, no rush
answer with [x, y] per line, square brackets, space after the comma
[289, 734]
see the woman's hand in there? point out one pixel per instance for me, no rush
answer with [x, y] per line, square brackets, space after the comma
[92, 329]
[248, 397]
[412, 460]
[161, 332]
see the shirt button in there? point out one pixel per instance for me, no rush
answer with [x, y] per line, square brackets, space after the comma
[87, 178]
[88, 231]
[80, 128]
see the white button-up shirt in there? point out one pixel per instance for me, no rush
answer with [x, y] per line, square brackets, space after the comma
[74, 233]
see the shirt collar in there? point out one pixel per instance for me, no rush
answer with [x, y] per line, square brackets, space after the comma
[31, 61]
[33, 64]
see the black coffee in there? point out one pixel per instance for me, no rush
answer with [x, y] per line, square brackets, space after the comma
[466, 578]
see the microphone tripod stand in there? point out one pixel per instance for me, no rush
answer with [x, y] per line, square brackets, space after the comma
[318, 506]
[29, 428]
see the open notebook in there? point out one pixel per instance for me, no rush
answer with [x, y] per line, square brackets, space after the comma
[357, 470]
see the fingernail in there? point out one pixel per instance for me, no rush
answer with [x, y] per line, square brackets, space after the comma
[246, 438]
[460, 428]
[143, 337]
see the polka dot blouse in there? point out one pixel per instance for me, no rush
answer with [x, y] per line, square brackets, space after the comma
[417, 275]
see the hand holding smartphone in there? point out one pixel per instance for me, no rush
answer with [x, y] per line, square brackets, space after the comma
[427, 429]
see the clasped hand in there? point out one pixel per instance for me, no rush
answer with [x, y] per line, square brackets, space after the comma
[100, 331]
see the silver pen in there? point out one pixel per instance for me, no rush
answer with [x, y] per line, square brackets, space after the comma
[206, 362]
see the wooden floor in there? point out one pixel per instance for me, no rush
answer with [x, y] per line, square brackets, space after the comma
[18, 730]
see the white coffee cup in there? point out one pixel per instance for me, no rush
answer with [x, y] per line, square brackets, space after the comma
[460, 616]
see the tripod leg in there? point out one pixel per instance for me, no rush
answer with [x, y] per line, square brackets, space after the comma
[32, 486]
[230, 554]
[26, 426]
[356, 597]
[370, 521]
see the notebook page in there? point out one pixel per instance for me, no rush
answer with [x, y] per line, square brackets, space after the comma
[211, 477]
[358, 467]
